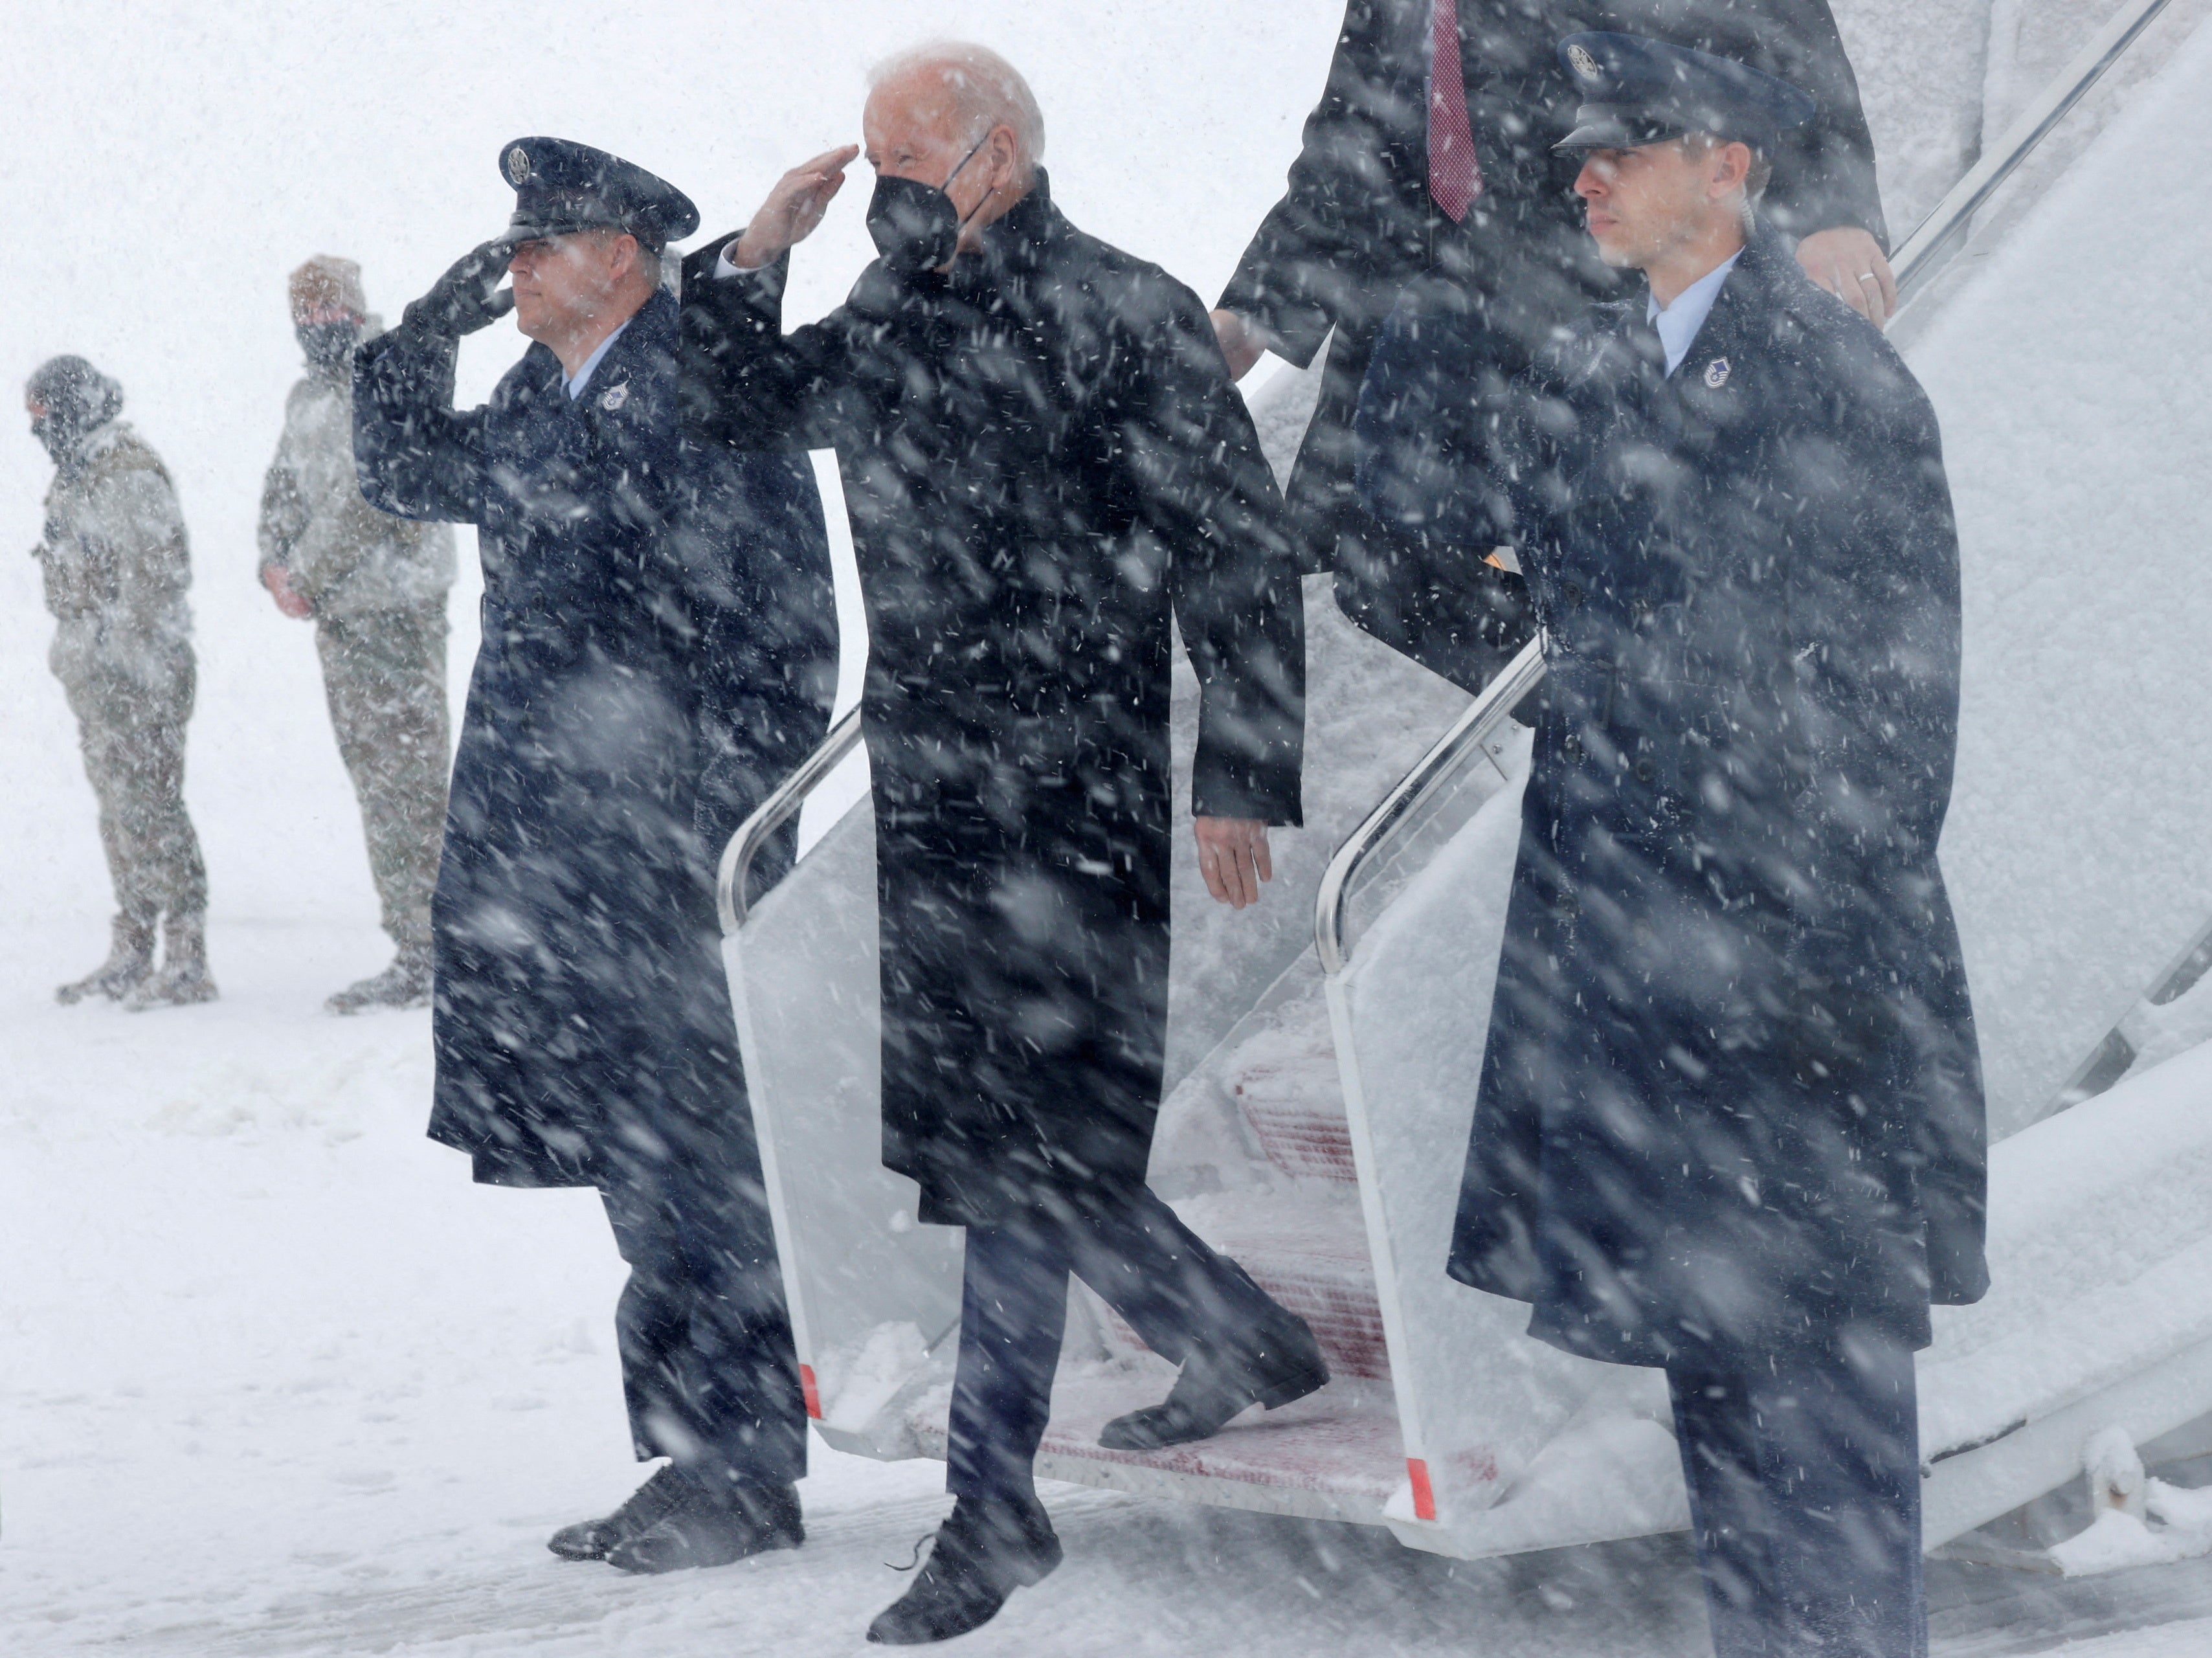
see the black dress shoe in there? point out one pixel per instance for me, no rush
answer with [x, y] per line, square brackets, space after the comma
[591, 1539]
[983, 1553]
[716, 1526]
[1284, 1363]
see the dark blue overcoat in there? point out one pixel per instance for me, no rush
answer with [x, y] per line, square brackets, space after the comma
[1731, 1099]
[648, 615]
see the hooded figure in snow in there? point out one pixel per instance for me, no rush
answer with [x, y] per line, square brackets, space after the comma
[117, 564]
[1044, 463]
[1730, 1119]
[580, 1016]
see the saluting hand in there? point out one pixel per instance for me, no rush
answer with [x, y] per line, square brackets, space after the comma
[469, 295]
[794, 208]
[1232, 856]
[1849, 262]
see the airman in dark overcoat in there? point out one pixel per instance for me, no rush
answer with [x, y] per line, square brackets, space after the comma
[582, 1027]
[1730, 1121]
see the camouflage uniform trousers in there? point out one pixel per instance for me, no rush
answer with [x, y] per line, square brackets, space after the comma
[384, 673]
[133, 738]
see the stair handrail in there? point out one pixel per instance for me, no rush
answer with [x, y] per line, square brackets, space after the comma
[772, 814]
[1915, 262]
[1471, 731]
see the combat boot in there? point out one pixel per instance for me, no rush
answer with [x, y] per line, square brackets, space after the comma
[130, 959]
[1276, 1365]
[405, 983]
[183, 978]
[987, 1548]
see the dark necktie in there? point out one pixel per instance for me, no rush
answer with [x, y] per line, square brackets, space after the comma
[1454, 178]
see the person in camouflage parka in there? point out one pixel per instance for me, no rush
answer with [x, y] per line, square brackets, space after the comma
[117, 563]
[375, 586]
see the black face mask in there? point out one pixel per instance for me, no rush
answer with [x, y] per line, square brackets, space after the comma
[327, 343]
[915, 225]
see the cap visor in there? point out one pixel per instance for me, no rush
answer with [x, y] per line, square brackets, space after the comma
[1613, 134]
[537, 228]
[1597, 135]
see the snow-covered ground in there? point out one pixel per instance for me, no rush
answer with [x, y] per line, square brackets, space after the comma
[276, 1380]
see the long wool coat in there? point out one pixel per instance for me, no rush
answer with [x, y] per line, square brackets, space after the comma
[581, 1024]
[1357, 229]
[1732, 1099]
[1044, 458]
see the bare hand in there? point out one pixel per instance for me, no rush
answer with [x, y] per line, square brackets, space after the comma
[1241, 343]
[289, 599]
[1848, 262]
[794, 208]
[1232, 855]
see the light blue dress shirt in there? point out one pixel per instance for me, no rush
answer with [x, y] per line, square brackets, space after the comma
[574, 387]
[1677, 323]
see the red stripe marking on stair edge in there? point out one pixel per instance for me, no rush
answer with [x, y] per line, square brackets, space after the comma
[814, 1400]
[1424, 1499]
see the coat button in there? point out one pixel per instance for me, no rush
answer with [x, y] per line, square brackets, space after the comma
[1574, 592]
[1646, 770]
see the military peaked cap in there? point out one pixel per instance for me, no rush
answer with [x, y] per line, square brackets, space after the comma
[560, 186]
[1638, 91]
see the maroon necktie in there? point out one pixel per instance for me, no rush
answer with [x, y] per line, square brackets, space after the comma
[1454, 179]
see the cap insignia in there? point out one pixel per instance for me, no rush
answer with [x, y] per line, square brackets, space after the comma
[1578, 56]
[1716, 373]
[517, 166]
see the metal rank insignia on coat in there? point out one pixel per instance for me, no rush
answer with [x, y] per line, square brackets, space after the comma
[517, 166]
[614, 396]
[1716, 373]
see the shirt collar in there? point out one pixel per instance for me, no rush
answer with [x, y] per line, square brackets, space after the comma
[1677, 323]
[574, 387]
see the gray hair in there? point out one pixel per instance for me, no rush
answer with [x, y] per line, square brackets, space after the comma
[987, 90]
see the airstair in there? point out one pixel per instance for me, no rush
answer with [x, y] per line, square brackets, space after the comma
[1319, 1098]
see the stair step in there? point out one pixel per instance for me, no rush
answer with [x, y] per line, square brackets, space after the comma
[1286, 1085]
[1335, 1455]
[1323, 1275]
[1331, 1285]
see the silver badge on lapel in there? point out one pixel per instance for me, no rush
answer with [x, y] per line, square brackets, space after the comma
[517, 166]
[616, 396]
[1716, 373]
[1578, 58]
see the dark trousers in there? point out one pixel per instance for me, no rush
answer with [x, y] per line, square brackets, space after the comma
[1150, 1268]
[1804, 1477]
[708, 1370]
